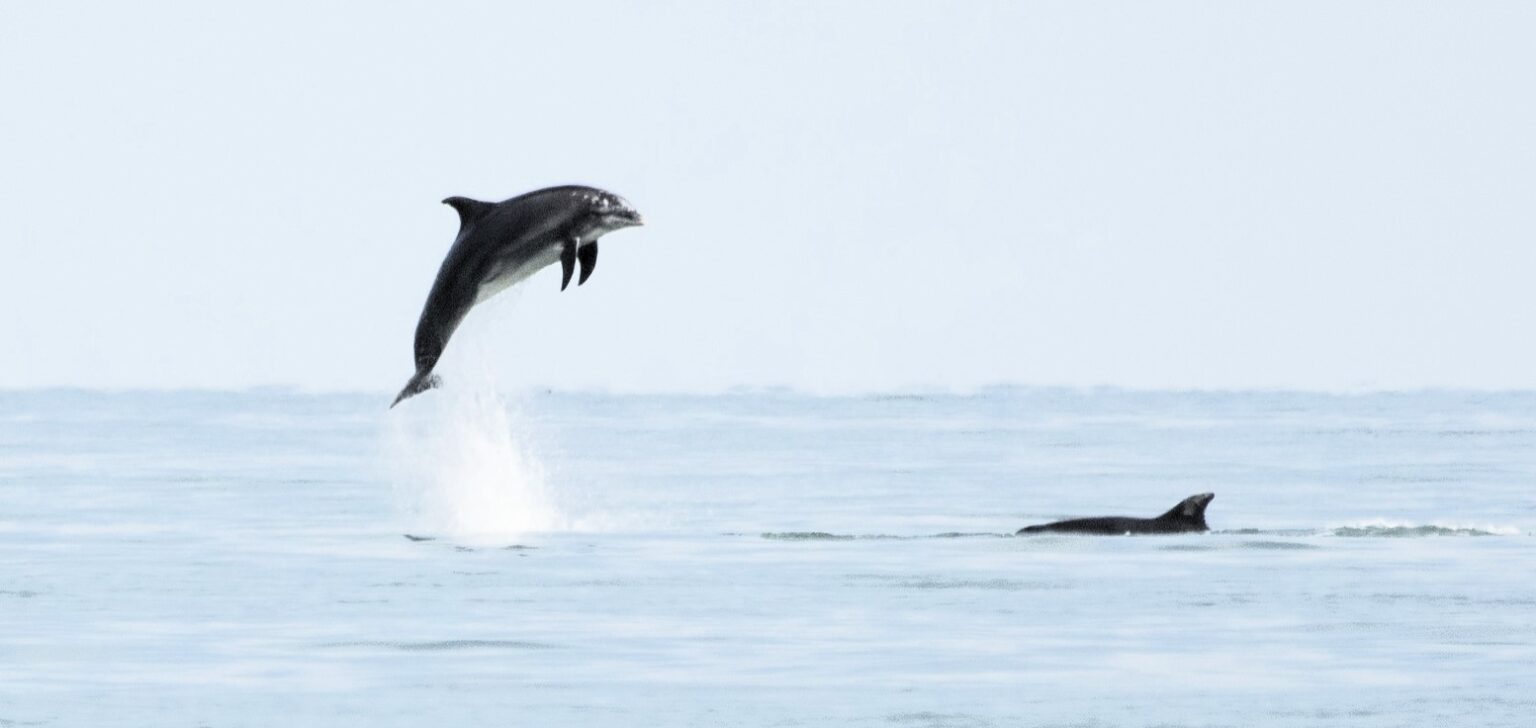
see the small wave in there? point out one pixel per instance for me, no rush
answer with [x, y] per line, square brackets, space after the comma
[1413, 531]
[987, 584]
[469, 549]
[1251, 545]
[899, 397]
[1377, 529]
[824, 536]
[927, 719]
[809, 536]
[445, 645]
[1278, 546]
[1284, 532]
[939, 582]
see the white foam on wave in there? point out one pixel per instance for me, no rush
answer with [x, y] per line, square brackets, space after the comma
[1387, 527]
[464, 466]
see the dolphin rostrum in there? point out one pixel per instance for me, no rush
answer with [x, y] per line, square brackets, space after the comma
[1187, 516]
[501, 243]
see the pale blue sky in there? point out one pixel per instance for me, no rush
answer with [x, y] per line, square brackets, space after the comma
[840, 196]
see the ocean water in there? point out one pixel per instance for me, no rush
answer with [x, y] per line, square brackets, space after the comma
[764, 559]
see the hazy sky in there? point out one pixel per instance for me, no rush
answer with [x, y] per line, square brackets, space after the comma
[839, 195]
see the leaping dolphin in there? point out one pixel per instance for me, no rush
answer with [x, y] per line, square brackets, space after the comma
[502, 243]
[1187, 516]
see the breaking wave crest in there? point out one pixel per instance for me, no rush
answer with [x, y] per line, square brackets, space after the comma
[1384, 529]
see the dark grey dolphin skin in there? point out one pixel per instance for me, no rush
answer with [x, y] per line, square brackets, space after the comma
[501, 243]
[1186, 517]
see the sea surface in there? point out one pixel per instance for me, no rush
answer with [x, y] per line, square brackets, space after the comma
[764, 558]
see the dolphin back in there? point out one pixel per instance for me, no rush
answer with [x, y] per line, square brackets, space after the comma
[1186, 517]
[1104, 526]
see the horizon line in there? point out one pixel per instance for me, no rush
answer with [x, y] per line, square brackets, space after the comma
[785, 389]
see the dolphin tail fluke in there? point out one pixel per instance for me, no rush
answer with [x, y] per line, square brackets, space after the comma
[419, 383]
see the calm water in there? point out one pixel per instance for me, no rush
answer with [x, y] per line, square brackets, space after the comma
[764, 559]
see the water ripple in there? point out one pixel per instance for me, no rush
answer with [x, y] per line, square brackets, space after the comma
[444, 645]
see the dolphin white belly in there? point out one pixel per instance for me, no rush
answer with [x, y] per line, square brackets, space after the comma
[515, 273]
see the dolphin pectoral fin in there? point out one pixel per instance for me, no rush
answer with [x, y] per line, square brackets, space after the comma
[567, 263]
[588, 256]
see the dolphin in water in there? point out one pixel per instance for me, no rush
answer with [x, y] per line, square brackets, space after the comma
[501, 243]
[1188, 516]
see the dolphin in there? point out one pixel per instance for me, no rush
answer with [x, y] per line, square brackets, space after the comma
[501, 243]
[1188, 516]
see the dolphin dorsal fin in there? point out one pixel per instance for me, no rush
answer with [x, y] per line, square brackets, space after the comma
[1189, 509]
[469, 210]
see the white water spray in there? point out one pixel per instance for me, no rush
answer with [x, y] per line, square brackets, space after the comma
[463, 468]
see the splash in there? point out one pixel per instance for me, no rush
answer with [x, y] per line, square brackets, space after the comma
[466, 469]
